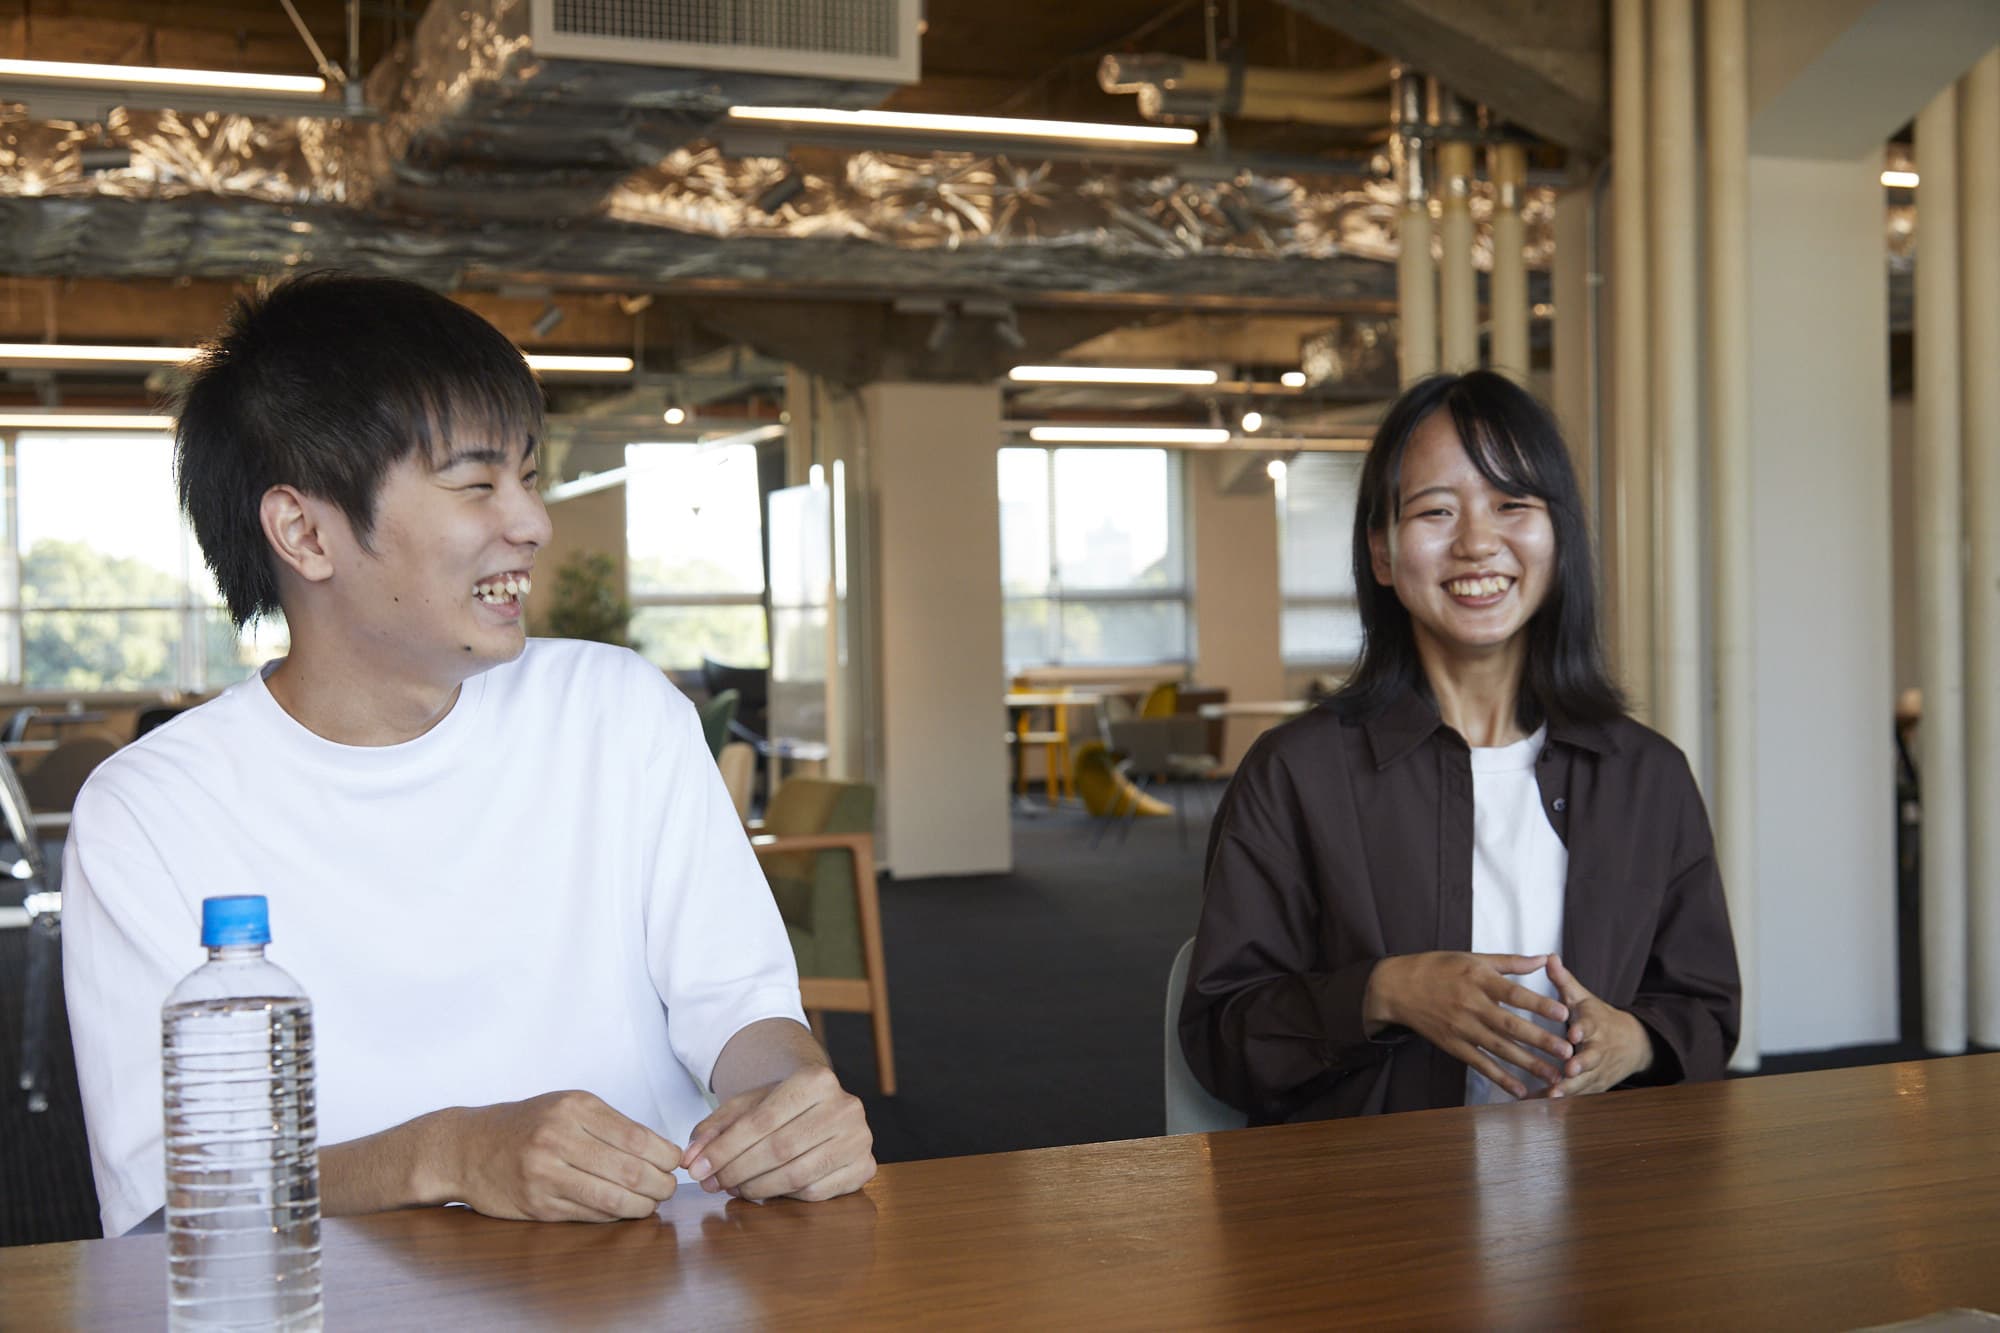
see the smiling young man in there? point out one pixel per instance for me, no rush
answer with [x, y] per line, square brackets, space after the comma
[505, 870]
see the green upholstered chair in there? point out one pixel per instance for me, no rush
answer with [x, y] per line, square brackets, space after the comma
[817, 846]
[716, 715]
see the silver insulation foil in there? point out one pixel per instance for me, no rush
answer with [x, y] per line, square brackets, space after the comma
[483, 156]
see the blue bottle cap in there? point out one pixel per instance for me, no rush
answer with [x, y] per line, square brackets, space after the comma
[243, 919]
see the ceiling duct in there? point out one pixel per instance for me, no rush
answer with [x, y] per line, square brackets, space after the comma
[866, 40]
[492, 159]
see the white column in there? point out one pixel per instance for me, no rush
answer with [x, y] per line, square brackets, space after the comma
[1979, 152]
[1629, 451]
[1825, 763]
[1940, 587]
[937, 545]
[1509, 170]
[1678, 650]
[1733, 803]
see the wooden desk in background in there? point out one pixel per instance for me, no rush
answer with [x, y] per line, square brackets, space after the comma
[1827, 1201]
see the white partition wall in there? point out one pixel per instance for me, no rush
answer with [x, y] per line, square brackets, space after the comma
[1819, 403]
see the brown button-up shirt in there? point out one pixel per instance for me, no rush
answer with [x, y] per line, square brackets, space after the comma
[1345, 841]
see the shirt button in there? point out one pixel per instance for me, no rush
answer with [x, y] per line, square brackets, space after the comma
[1562, 803]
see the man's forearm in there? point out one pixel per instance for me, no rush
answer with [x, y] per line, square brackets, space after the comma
[764, 1053]
[401, 1167]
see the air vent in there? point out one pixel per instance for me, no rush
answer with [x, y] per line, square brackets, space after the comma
[871, 40]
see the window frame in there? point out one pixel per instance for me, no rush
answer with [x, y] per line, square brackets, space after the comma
[1058, 596]
[191, 675]
[641, 601]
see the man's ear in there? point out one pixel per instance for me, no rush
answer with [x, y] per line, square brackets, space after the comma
[1378, 556]
[294, 525]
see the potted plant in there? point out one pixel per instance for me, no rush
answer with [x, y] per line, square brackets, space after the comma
[589, 604]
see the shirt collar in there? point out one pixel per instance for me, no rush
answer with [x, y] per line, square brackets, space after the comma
[1411, 718]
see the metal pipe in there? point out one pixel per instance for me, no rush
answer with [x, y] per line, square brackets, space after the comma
[1630, 474]
[1508, 165]
[1416, 277]
[1677, 606]
[1940, 592]
[1979, 154]
[1727, 287]
[1458, 284]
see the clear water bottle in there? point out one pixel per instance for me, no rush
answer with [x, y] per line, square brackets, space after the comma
[241, 1135]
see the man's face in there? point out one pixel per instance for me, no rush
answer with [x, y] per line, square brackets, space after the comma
[437, 596]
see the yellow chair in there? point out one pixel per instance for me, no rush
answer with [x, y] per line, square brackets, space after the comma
[1053, 736]
[1163, 700]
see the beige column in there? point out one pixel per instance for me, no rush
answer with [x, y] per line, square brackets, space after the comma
[943, 796]
[1733, 796]
[1458, 282]
[1509, 169]
[1678, 650]
[1416, 273]
[1940, 586]
[1979, 154]
[1628, 524]
[1238, 600]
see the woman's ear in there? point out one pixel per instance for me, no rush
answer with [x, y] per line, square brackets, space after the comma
[292, 524]
[1378, 556]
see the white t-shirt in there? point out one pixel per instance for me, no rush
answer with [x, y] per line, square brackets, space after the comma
[547, 890]
[1519, 866]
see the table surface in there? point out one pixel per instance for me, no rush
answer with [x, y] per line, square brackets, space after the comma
[1829, 1200]
[1049, 698]
[1256, 708]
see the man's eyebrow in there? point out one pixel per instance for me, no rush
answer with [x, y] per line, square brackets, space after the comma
[487, 454]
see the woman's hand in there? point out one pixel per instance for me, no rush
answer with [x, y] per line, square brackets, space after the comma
[1454, 1001]
[1611, 1045]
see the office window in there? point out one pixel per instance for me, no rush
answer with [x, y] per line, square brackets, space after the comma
[104, 586]
[1316, 497]
[1093, 557]
[694, 534]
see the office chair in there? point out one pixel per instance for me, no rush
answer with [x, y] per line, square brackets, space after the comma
[1191, 1108]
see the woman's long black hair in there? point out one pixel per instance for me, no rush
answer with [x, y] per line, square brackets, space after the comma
[1516, 445]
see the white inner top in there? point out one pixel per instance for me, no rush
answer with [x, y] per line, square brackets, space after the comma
[1519, 866]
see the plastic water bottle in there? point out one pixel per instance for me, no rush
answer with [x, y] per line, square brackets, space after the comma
[241, 1135]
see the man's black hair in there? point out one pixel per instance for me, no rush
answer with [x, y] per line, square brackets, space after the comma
[325, 384]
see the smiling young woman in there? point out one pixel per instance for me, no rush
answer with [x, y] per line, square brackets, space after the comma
[1469, 876]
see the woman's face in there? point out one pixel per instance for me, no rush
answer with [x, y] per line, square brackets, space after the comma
[1471, 563]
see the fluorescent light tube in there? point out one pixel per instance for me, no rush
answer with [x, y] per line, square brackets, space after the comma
[137, 356]
[1293, 379]
[1900, 180]
[579, 365]
[58, 420]
[990, 126]
[107, 354]
[1108, 375]
[1129, 435]
[58, 72]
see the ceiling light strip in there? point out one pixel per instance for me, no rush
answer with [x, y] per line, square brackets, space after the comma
[59, 420]
[987, 126]
[1109, 375]
[108, 354]
[70, 72]
[1195, 435]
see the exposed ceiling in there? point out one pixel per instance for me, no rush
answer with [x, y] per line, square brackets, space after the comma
[521, 182]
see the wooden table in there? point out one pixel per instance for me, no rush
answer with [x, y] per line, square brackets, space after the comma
[1265, 708]
[1019, 704]
[1820, 1201]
